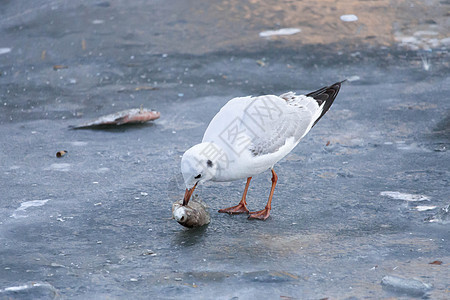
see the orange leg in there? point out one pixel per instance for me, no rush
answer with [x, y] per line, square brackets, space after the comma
[241, 208]
[264, 214]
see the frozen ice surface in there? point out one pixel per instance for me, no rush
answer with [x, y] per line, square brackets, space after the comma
[330, 235]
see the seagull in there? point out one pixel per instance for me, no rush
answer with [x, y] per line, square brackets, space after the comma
[248, 136]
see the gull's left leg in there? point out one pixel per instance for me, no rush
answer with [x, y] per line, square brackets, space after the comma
[241, 208]
[264, 214]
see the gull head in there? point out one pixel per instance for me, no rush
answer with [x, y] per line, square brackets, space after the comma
[198, 164]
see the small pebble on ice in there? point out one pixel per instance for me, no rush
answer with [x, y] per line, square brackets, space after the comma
[349, 18]
[282, 31]
[133, 279]
[149, 252]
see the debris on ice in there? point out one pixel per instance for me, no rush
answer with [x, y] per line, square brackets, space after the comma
[349, 18]
[5, 50]
[410, 287]
[282, 31]
[405, 196]
[425, 207]
[19, 212]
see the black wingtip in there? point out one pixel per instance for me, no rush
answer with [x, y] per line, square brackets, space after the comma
[326, 94]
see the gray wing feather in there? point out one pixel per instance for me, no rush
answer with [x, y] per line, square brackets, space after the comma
[293, 122]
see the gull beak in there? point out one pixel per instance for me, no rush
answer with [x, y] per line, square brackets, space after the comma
[188, 194]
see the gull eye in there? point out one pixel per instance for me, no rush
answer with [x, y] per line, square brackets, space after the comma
[198, 176]
[209, 163]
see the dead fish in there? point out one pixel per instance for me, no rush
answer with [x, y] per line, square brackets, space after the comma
[195, 214]
[134, 115]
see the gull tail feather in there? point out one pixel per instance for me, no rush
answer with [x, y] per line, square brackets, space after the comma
[325, 96]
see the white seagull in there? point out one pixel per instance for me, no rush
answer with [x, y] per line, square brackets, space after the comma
[250, 135]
